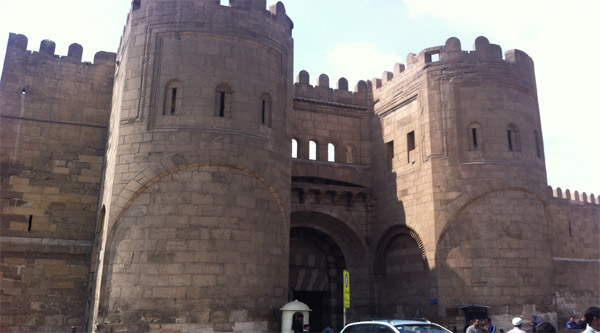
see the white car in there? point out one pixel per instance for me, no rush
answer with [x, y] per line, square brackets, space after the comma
[394, 326]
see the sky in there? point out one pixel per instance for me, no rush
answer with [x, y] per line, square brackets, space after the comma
[360, 39]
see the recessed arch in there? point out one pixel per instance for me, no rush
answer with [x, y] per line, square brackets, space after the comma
[348, 240]
[386, 240]
[128, 197]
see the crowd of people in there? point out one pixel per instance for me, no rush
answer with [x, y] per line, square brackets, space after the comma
[590, 323]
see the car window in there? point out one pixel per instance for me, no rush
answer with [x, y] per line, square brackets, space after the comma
[368, 328]
[421, 328]
[382, 329]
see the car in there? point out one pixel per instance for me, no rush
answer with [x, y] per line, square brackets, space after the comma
[394, 326]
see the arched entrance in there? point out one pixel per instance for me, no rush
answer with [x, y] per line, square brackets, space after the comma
[316, 276]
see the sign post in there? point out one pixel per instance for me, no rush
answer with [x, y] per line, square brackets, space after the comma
[346, 293]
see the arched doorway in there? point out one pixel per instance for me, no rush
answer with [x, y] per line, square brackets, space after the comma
[316, 276]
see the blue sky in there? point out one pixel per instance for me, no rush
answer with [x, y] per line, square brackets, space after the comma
[359, 39]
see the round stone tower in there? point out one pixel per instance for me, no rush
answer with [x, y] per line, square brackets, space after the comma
[195, 228]
[463, 136]
[490, 194]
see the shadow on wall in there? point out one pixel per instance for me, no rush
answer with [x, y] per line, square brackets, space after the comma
[494, 251]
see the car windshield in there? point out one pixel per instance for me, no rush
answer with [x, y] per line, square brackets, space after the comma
[421, 328]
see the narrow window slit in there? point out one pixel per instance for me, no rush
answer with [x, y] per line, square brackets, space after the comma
[173, 100]
[474, 133]
[222, 105]
[510, 143]
[263, 111]
[30, 222]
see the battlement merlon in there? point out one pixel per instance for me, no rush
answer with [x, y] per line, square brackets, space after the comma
[574, 197]
[276, 11]
[451, 51]
[324, 94]
[47, 48]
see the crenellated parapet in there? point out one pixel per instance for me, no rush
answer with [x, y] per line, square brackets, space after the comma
[47, 48]
[276, 11]
[42, 86]
[574, 197]
[451, 52]
[322, 93]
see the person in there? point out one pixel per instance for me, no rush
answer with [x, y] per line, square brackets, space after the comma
[306, 328]
[486, 327]
[467, 325]
[592, 318]
[517, 324]
[475, 327]
[535, 321]
[492, 327]
[581, 323]
[328, 330]
[546, 327]
[572, 324]
[298, 325]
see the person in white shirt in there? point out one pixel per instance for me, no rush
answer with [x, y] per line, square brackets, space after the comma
[517, 323]
[592, 318]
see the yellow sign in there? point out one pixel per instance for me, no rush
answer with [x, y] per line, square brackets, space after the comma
[346, 289]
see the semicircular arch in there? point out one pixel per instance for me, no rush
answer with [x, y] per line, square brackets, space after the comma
[347, 239]
[129, 197]
[461, 204]
[380, 262]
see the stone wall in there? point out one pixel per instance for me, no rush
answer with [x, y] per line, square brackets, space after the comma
[54, 112]
[576, 252]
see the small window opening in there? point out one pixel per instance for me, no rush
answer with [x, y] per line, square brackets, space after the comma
[432, 57]
[390, 154]
[30, 223]
[173, 97]
[410, 145]
[222, 105]
[263, 111]
[173, 100]
[512, 134]
[538, 148]
[312, 150]
[294, 148]
[223, 100]
[330, 152]
[474, 136]
[349, 154]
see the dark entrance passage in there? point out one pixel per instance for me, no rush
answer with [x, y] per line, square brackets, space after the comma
[316, 276]
[315, 300]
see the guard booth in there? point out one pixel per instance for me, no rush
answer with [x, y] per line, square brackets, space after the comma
[289, 313]
[473, 312]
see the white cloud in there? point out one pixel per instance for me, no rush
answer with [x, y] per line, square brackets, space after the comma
[358, 61]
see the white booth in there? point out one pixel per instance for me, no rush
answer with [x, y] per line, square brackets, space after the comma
[290, 312]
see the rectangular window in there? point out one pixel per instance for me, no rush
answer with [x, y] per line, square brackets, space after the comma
[263, 111]
[474, 135]
[510, 140]
[390, 155]
[410, 146]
